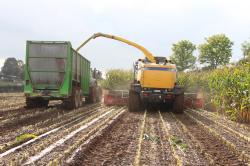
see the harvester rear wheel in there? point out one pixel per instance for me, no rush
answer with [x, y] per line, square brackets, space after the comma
[178, 105]
[134, 103]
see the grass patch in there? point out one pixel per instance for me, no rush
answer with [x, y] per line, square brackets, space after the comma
[151, 138]
[24, 137]
[176, 142]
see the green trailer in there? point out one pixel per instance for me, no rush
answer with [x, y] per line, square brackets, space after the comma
[55, 71]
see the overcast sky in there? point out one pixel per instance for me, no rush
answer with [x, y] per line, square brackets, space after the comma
[155, 24]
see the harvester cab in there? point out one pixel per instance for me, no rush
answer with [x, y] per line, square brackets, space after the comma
[154, 80]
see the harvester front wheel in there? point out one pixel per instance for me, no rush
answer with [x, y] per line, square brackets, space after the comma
[134, 103]
[178, 105]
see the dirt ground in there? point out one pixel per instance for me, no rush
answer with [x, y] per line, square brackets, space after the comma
[99, 135]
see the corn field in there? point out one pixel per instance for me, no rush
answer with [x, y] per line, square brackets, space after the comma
[226, 89]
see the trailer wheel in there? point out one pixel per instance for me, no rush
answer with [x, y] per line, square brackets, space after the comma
[80, 98]
[36, 102]
[134, 101]
[44, 103]
[92, 96]
[77, 98]
[178, 104]
[30, 103]
[98, 94]
[71, 103]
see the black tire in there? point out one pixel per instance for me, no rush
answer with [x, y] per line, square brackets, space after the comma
[80, 98]
[71, 103]
[178, 105]
[98, 94]
[30, 103]
[134, 101]
[92, 98]
[36, 102]
[44, 103]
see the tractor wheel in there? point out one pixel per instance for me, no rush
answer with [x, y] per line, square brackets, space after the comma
[178, 105]
[134, 103]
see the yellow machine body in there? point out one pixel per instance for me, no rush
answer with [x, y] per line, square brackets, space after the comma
[156, 75]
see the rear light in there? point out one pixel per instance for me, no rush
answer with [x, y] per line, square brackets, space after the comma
[145, 94]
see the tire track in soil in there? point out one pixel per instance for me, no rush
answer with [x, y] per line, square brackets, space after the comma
[117, 146]
[155, 150]
[212, 146]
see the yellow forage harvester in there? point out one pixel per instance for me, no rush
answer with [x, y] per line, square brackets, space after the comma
[154, 80]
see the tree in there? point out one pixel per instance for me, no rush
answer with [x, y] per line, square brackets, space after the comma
[245, 47]
[217, 50]
[117, 79]
[21, 68]
[13, 67]
[183, 55]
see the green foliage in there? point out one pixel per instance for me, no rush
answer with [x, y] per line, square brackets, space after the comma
[193, 81]
[228, 87]
[244, 60]
[245, 47]
[183, 55]
[117, 79]
[176, 142]
[24, 137]
[217, 50]
[151, 138]
[13, 67]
